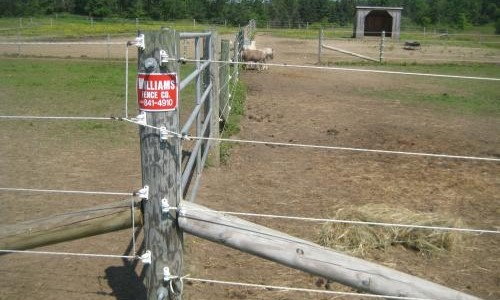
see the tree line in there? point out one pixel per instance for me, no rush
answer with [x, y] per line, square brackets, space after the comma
[456, 13]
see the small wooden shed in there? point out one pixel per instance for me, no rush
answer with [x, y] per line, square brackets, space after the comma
[372, 20]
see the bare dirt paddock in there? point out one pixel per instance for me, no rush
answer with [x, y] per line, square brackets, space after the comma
[304, 106]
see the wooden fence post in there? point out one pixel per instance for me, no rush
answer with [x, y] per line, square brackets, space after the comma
[236, 54]
[161, 172]
[224, 80]
[214, 54]
[320, 47]
[108, 41]
[382, 46]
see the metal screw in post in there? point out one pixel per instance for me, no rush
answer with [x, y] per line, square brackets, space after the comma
[162, 293]
[151, 65]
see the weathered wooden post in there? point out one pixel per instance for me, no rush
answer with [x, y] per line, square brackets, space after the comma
[320, 46]
[108, 41]
[382, 46]
[224, 81]
[18, 40]
[157, 88]
[214, 54]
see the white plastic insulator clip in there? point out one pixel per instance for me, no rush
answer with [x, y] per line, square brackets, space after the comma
[141, 119]
[144, 193]
[230, 77]
[164, 134]
[166, 274]
[165, 207]
[146, 258]
[163, 57]
[230, 95]
[139, 42]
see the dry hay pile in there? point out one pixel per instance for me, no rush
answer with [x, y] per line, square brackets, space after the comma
[359, 239]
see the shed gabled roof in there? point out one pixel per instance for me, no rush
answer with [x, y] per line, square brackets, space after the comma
[379, 8]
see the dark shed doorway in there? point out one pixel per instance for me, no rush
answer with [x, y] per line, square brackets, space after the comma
[376, 22]
[372, 20]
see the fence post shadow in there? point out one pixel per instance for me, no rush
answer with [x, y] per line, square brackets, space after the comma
[123, 280]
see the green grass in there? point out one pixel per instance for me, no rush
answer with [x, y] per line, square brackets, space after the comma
[67, 26]
[462, 69]
[477, 36]
[54, 87]
[467, 96]
[232, 125]
[48, 87]
[61, 87]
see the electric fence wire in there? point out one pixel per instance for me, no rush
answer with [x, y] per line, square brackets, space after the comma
[285, 65]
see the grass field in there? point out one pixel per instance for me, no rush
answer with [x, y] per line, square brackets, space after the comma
[51, 87]
[477, 97]
[471, 37]
[103, 155]
[65, 26]
[69, 26]
[96, 88]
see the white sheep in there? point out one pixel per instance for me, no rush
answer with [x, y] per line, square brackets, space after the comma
[255, 56]
[269, 52]
[250, 47]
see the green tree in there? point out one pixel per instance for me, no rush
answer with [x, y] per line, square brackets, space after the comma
[101, 8]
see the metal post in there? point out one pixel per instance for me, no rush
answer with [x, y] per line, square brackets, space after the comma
[161, 172]
[137, 23]
[382, 46]
[20, 22]
[197, 56]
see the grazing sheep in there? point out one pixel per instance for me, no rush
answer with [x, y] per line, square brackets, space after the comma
[250, 47]
[269, 52]
[255, 56]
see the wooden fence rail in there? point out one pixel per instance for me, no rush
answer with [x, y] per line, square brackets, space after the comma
[70, 226]
[238, 234]
[307, 256]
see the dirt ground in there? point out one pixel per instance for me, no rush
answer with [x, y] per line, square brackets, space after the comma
[289, 50]
[297, 106]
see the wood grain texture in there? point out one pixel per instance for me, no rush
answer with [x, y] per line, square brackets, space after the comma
[214, 53]
[161, 171]
[307, 256]
[69, 226]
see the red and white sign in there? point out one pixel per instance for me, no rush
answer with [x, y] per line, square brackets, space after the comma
[157, 91]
